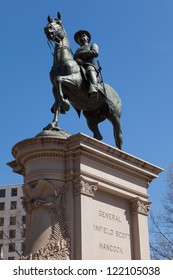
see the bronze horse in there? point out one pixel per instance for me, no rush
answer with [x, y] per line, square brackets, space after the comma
[70, 87]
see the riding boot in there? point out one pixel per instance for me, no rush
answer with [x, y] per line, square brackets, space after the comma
[93, 84]
[92, 92]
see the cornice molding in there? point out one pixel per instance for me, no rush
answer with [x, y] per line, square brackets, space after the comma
[83, 146]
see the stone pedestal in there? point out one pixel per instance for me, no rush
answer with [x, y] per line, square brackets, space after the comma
[84, 199]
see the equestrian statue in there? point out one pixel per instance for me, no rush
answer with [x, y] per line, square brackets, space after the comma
[76, 80]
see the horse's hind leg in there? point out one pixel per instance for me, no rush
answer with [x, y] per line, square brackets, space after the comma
[115, 120]
[93, 126]
[64, 102]
[56, 108]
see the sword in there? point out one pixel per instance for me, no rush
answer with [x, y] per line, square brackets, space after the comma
[100, 71]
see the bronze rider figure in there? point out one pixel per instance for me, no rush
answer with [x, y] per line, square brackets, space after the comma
[84, 56]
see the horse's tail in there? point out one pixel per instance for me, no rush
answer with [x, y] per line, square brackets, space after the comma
[114, 112]
[112, 98]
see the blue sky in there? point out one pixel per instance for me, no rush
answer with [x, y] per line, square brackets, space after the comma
[135, 39]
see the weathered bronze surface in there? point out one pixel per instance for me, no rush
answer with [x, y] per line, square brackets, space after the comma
[77, 81]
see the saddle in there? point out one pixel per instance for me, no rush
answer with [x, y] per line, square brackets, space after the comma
[99, 78]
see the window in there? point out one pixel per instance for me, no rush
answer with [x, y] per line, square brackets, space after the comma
[11, 247]
[23, 219]
[2, 206]
[1, 234]
[23, 232]
[22, 246]
[12, 233]
[1, 251]
[2, 193]
[14, 192]
[13, 205]
[12, 221]
[1, 221]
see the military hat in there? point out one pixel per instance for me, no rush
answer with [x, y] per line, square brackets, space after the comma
[82, 32]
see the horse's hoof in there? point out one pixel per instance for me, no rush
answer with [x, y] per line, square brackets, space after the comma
[98, 137]
[50, 126]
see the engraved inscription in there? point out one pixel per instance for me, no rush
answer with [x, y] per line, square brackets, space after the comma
[103, 230]
[122, 235]
[110, 247]
[109, 216]
[110, 231]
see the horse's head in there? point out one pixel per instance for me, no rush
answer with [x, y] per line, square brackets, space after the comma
[54, 29]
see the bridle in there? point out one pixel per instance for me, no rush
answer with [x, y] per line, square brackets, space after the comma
[52, 31]
[54, 36]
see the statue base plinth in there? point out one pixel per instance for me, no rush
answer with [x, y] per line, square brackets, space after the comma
[84, 199]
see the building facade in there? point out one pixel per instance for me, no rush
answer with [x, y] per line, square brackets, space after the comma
[12, 222]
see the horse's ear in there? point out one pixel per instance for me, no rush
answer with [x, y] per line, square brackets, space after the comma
[59, 15]
[49, 19]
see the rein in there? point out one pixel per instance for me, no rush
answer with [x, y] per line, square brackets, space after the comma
[65, 47]
[52, 47]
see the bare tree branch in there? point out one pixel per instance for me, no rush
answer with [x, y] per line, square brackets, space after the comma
[161, 233]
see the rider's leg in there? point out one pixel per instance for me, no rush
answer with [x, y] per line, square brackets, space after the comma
[92, 77]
